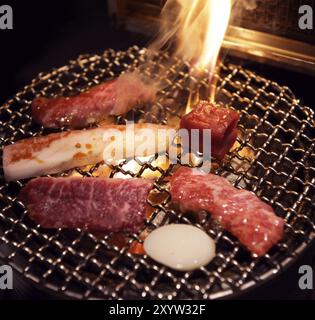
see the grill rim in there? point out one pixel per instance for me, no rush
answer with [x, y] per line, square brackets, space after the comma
[222, 294]
[249, 287]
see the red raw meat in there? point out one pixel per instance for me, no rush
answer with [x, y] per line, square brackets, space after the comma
[240, 212]
[221, 121]
[110, 98]
[96, 204]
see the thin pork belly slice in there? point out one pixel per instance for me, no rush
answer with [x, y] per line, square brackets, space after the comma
[240, 212]
[95, 204]
[221, 121]
[62, 151]
[110, 98]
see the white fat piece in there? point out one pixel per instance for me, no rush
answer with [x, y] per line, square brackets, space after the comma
[180, 247]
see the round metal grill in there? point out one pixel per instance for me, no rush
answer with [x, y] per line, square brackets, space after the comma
[274, 158]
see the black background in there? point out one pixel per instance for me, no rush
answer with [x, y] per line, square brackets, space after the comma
[49, 33]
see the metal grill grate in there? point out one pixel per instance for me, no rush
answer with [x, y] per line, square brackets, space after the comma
[274, 158]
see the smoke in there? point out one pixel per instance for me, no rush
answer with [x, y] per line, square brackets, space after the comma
[249, 4]
[241, 8]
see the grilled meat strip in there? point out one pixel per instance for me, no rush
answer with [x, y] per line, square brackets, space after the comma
[110, 98]
[95, 204]
[240, 212]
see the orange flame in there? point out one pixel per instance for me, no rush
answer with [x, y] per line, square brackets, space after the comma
[195, 30]
[196, 27]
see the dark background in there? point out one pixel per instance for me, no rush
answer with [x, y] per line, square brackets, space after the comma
[49, 33]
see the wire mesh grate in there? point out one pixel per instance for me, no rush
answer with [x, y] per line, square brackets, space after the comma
[274, 157]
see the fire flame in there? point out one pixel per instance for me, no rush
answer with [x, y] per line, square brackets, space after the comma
[196, 28]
